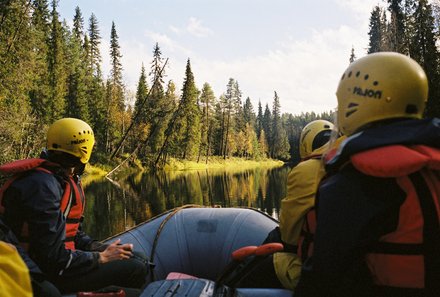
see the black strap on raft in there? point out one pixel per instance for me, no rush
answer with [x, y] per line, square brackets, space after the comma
[159, 230]
[431, 233]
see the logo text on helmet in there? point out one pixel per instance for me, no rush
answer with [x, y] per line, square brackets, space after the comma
[77, 141]
[367, 92]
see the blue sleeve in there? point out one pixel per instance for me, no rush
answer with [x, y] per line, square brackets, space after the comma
[353, 211]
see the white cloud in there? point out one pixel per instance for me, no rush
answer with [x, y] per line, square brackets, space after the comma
[175, 30]
[196, 28]
[359, 7]
[304, 73]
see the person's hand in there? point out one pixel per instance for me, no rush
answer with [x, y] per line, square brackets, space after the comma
[116, 251]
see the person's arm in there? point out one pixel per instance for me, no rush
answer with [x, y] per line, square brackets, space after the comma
[85, 243]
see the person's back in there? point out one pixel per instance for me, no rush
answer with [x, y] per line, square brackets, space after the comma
[378, 213]
[302, 183]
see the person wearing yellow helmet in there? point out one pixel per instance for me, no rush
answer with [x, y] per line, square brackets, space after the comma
[302, 183]
[378, 213]
[283, 268]
[44, 204]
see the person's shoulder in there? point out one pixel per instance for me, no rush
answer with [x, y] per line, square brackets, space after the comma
[37, 178]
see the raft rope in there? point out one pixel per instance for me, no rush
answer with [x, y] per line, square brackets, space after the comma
[159, 230]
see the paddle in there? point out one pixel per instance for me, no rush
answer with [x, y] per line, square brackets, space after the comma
[244, 260]
[238, 256]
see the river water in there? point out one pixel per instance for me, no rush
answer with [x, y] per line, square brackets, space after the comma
[114, 206]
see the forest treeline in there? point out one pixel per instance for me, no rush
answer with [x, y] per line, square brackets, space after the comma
[49, 70]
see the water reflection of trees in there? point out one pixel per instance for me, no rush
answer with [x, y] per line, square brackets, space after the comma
[114, 206]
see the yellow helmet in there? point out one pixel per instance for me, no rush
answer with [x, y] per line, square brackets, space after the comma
[314, 135]
[72, 136]
[380, 86]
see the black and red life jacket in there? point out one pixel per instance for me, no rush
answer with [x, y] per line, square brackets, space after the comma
[72, 202]
[408, 257]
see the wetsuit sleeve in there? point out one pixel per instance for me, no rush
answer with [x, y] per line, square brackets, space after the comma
[353, 211]
[38, 200]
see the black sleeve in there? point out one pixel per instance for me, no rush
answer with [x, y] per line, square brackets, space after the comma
[353, 211]
[36, 200]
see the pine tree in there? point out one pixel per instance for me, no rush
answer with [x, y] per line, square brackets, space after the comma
[267, 126]
[115, 94]
[78, 25]
[93, 46]
[375, 32]
[192, 114]
[95, 85]
[77, 101]
[141, 95]
[397, 27]
[424, 51]
[40, 92]
[207, 101]
[56, 68]
[259, 120]
[19, 129]
[279, 145]
[248, 113]
[159, 109]
[352, 55]
[230, 99]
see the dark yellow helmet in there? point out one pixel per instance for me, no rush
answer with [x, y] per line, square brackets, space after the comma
[72, 136]
[380, 86]
[314, 135]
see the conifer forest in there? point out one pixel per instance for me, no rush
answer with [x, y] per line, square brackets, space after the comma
[50, 70]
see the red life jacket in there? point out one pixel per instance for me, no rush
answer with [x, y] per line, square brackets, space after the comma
[72, 203]
[408, 257]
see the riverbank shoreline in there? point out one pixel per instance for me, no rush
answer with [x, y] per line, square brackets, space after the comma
[184, 165]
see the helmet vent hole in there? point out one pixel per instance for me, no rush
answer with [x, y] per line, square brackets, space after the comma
[55, 145]
[349, 74]
[411, 109]
[366, 76]
[74, 136]
[375, 83]
[358, 73]
[343, 76]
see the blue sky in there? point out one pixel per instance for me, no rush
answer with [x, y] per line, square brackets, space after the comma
[297, 48]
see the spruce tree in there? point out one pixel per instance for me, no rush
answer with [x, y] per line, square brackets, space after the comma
[207, 101]
[78, 25]
[95, 85]
[397, 27]
[259, 120]
[424, 51]
[158, 109]
[94, 54]
[115, 104]
[375, 32]
[267, 126]
[279, 145]
[77, 101]
[191, 136]
[56, 68]
[40, 92]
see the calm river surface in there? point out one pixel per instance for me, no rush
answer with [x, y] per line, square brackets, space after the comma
[114, 206]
